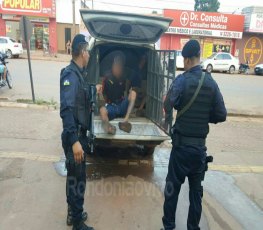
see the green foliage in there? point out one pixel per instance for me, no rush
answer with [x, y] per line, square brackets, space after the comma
[207, 5]
[39, 101]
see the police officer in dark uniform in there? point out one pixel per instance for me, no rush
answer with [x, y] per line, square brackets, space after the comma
[198, 101]
[74, 111]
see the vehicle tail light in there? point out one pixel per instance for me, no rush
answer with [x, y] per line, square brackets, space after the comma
[15, 45]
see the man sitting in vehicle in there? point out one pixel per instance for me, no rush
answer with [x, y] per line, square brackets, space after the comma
[137, 82]
[117, 105]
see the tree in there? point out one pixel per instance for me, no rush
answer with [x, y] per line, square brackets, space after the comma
[207, 5]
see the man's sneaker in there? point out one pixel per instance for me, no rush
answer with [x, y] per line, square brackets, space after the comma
[69, 217]
[125, 126]
[82, 226]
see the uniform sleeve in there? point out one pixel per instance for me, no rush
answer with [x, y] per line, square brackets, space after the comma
[68, 92]
[218, 112]
[174, 94]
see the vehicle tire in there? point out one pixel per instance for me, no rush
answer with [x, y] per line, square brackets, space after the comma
[232, 69]
[209, 68]
[9, 53]
[9, 80]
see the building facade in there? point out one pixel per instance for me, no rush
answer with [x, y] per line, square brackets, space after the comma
[41, 13]
[250, 48]
[65, 23]
[214, 31]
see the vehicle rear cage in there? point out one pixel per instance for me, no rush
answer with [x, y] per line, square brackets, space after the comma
[161, 73]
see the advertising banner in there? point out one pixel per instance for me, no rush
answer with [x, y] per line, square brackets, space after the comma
[205, 24]
[256, 23]
[41, 8]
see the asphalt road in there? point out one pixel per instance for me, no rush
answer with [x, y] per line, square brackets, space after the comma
[242, 94]
[124, 189]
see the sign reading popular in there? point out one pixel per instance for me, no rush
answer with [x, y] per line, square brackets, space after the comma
[29, 7]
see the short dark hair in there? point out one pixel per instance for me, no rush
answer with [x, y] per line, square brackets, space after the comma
[78, 50]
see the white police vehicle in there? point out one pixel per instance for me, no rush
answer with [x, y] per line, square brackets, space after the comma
[134, 35]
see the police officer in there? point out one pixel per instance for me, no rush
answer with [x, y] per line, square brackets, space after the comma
[74, 111]
[194, 113]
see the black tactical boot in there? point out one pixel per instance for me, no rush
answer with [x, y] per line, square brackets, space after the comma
[81, 226]
[69, 217]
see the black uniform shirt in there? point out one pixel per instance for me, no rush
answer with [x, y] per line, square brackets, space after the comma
[113, 89]
[69, 87]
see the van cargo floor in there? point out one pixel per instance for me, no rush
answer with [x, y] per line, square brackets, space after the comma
[142, 130]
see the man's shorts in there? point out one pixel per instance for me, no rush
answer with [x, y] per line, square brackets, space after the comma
[117, 110]
[2, 69]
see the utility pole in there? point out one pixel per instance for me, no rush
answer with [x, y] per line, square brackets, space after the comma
[74, 16]
[92, 4]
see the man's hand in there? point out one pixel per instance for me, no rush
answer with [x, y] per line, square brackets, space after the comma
[78, 152]
[99, 89]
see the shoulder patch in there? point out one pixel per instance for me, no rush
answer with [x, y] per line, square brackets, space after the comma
[66, 82]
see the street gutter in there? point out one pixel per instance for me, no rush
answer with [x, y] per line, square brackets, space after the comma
[5, 102]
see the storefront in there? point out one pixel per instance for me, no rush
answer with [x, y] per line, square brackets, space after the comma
[41, 13]
[216, 32]
[250, 48]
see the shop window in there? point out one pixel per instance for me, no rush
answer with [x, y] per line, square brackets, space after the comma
[40, 37]
[221, 48]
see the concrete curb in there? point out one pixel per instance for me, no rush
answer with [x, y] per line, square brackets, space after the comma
[47, 59]
[12, 104]
[245, 115]
[26, 106]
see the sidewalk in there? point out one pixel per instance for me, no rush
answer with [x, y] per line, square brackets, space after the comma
[39, 55]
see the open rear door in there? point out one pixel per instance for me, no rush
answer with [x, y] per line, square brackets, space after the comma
[124, 27]
[161, 73]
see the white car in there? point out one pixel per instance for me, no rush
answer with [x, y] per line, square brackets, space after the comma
[10, 47]
[179, 60]
[220, 62]
[258, 69]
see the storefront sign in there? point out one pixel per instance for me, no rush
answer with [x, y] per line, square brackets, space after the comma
[204, 32]
[256, 23]
[41, 8]
[206, 24]
[253, 50]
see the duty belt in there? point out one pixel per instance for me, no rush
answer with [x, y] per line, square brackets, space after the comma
[182, 140]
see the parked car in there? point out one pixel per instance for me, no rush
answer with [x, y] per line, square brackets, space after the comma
[134, 35]
[10, 47]
[221, 62]
[179, 60]
[258, 69]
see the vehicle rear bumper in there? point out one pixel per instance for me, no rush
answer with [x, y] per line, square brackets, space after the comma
[143, 130]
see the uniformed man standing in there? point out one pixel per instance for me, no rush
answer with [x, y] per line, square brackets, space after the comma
[198, 101]
[75, 94]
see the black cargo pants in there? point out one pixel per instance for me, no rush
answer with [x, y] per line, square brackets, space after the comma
[185, 161]
[76, 180]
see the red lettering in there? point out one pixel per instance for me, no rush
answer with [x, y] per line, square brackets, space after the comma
[259, 24]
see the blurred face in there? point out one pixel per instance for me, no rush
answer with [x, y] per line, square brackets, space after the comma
[117, 70]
